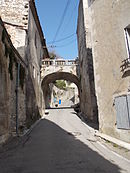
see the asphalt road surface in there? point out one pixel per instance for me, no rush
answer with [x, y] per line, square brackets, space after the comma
[61, 143]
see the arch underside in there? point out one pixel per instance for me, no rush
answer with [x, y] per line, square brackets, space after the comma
[57, 76]
[60, 76]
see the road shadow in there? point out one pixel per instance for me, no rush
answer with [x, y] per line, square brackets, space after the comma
[94, 125]
[50, 149]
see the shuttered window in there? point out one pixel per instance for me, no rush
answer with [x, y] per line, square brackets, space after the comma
[122, 105]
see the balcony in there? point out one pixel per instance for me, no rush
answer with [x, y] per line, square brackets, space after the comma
[125, 67]
[48, 62]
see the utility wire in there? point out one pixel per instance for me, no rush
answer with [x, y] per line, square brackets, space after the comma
[70, 18]
[72, 41]
[65, 38]
[53, 46]
[62, 39]
[62, 20]
[67, 44]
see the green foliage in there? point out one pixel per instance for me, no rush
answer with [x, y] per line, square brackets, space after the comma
[3, 35]
[11, 61]
[52, 55]
[115, 145]
[60, 84]
[22, 76]
[8, 51]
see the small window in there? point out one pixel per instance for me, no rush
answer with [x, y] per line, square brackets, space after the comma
[127, 37]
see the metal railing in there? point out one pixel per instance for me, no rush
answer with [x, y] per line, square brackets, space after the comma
[125, 64]
[46, 62]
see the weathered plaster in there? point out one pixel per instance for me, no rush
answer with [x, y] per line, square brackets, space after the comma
[87, 94]
[8, 88]
[108, 18]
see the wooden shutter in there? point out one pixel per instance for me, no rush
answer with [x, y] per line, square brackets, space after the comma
[122, 105]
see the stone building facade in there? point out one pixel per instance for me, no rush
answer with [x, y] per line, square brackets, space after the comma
[15, 17]
[59, 69]
[35, 51]
[110, 41]
[12, 88]
[21, 21]
[88, 102]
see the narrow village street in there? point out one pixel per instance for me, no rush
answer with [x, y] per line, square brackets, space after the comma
[64, 86]
[61, 143]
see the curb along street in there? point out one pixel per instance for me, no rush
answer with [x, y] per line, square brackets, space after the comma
[113, 140]
[95, 132]
[104, 136]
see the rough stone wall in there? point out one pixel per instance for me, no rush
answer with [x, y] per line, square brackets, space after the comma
[46, 70]
[9, 59]
[68, 97]
[15, 16]
[21, 21]
[4, 93]
[108, 20]
[34, 54]
[49, 69]
[87, 94]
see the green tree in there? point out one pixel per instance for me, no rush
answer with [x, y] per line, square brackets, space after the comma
[53, 54]
[60, 84]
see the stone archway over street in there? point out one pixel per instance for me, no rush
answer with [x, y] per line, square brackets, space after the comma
[50, 78]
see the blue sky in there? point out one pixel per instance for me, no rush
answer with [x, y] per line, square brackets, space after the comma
[50, 14]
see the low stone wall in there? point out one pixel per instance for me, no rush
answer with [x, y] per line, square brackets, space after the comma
[12, 87]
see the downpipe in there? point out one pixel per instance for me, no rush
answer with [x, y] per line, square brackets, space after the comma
[17, 93]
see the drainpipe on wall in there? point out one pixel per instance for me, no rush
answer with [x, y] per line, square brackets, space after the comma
[17, 86]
